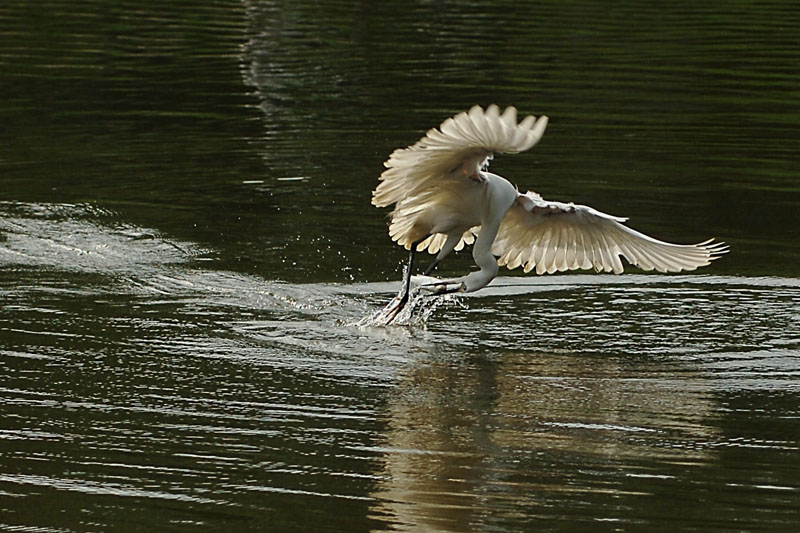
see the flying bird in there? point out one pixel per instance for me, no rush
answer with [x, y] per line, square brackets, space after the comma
[445, 198]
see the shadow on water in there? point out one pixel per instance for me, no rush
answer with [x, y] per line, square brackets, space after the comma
[563, 398]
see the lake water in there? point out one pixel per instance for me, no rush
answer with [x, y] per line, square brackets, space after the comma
[187, 240]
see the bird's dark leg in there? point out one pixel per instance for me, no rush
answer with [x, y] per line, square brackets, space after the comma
[409, 270]
[403, 299]
[431, 267]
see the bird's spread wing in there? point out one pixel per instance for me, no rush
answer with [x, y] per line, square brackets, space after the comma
[553, 236]
[459, 147]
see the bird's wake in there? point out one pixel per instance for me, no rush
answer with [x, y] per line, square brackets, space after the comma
[420, 305]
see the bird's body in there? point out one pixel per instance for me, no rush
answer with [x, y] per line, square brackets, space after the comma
[444, 198]
[483, 203]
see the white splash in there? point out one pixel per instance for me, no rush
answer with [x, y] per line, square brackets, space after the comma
[416, 312]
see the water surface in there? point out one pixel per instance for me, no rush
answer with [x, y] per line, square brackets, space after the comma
[186, 242]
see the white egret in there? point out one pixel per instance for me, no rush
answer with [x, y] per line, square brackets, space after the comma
[445, 198]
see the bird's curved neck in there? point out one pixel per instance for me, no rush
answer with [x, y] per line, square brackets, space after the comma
[482, 250]
[500, 195]
[482, 254]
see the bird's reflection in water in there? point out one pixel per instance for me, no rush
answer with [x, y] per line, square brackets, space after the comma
[469, 436]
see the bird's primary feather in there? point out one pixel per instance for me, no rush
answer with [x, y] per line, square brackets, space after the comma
[554, 237]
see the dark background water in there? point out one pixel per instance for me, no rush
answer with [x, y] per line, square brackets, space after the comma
[185, 235]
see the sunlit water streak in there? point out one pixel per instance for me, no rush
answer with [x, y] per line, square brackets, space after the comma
[741, 318]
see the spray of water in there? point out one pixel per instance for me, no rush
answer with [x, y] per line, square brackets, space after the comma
[420, 307]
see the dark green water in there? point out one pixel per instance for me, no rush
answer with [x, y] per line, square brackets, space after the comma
[185, 235]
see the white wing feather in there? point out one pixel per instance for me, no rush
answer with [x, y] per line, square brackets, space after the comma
[462, 144]
[427, 176]
[554, 236]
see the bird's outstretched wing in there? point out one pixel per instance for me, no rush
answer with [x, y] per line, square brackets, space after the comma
[554, 236]
[460, 146]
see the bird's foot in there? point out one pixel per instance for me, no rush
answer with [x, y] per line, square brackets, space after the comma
[418, 303]
[394, 307]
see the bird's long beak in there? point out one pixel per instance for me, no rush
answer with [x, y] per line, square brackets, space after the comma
[444, 287]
